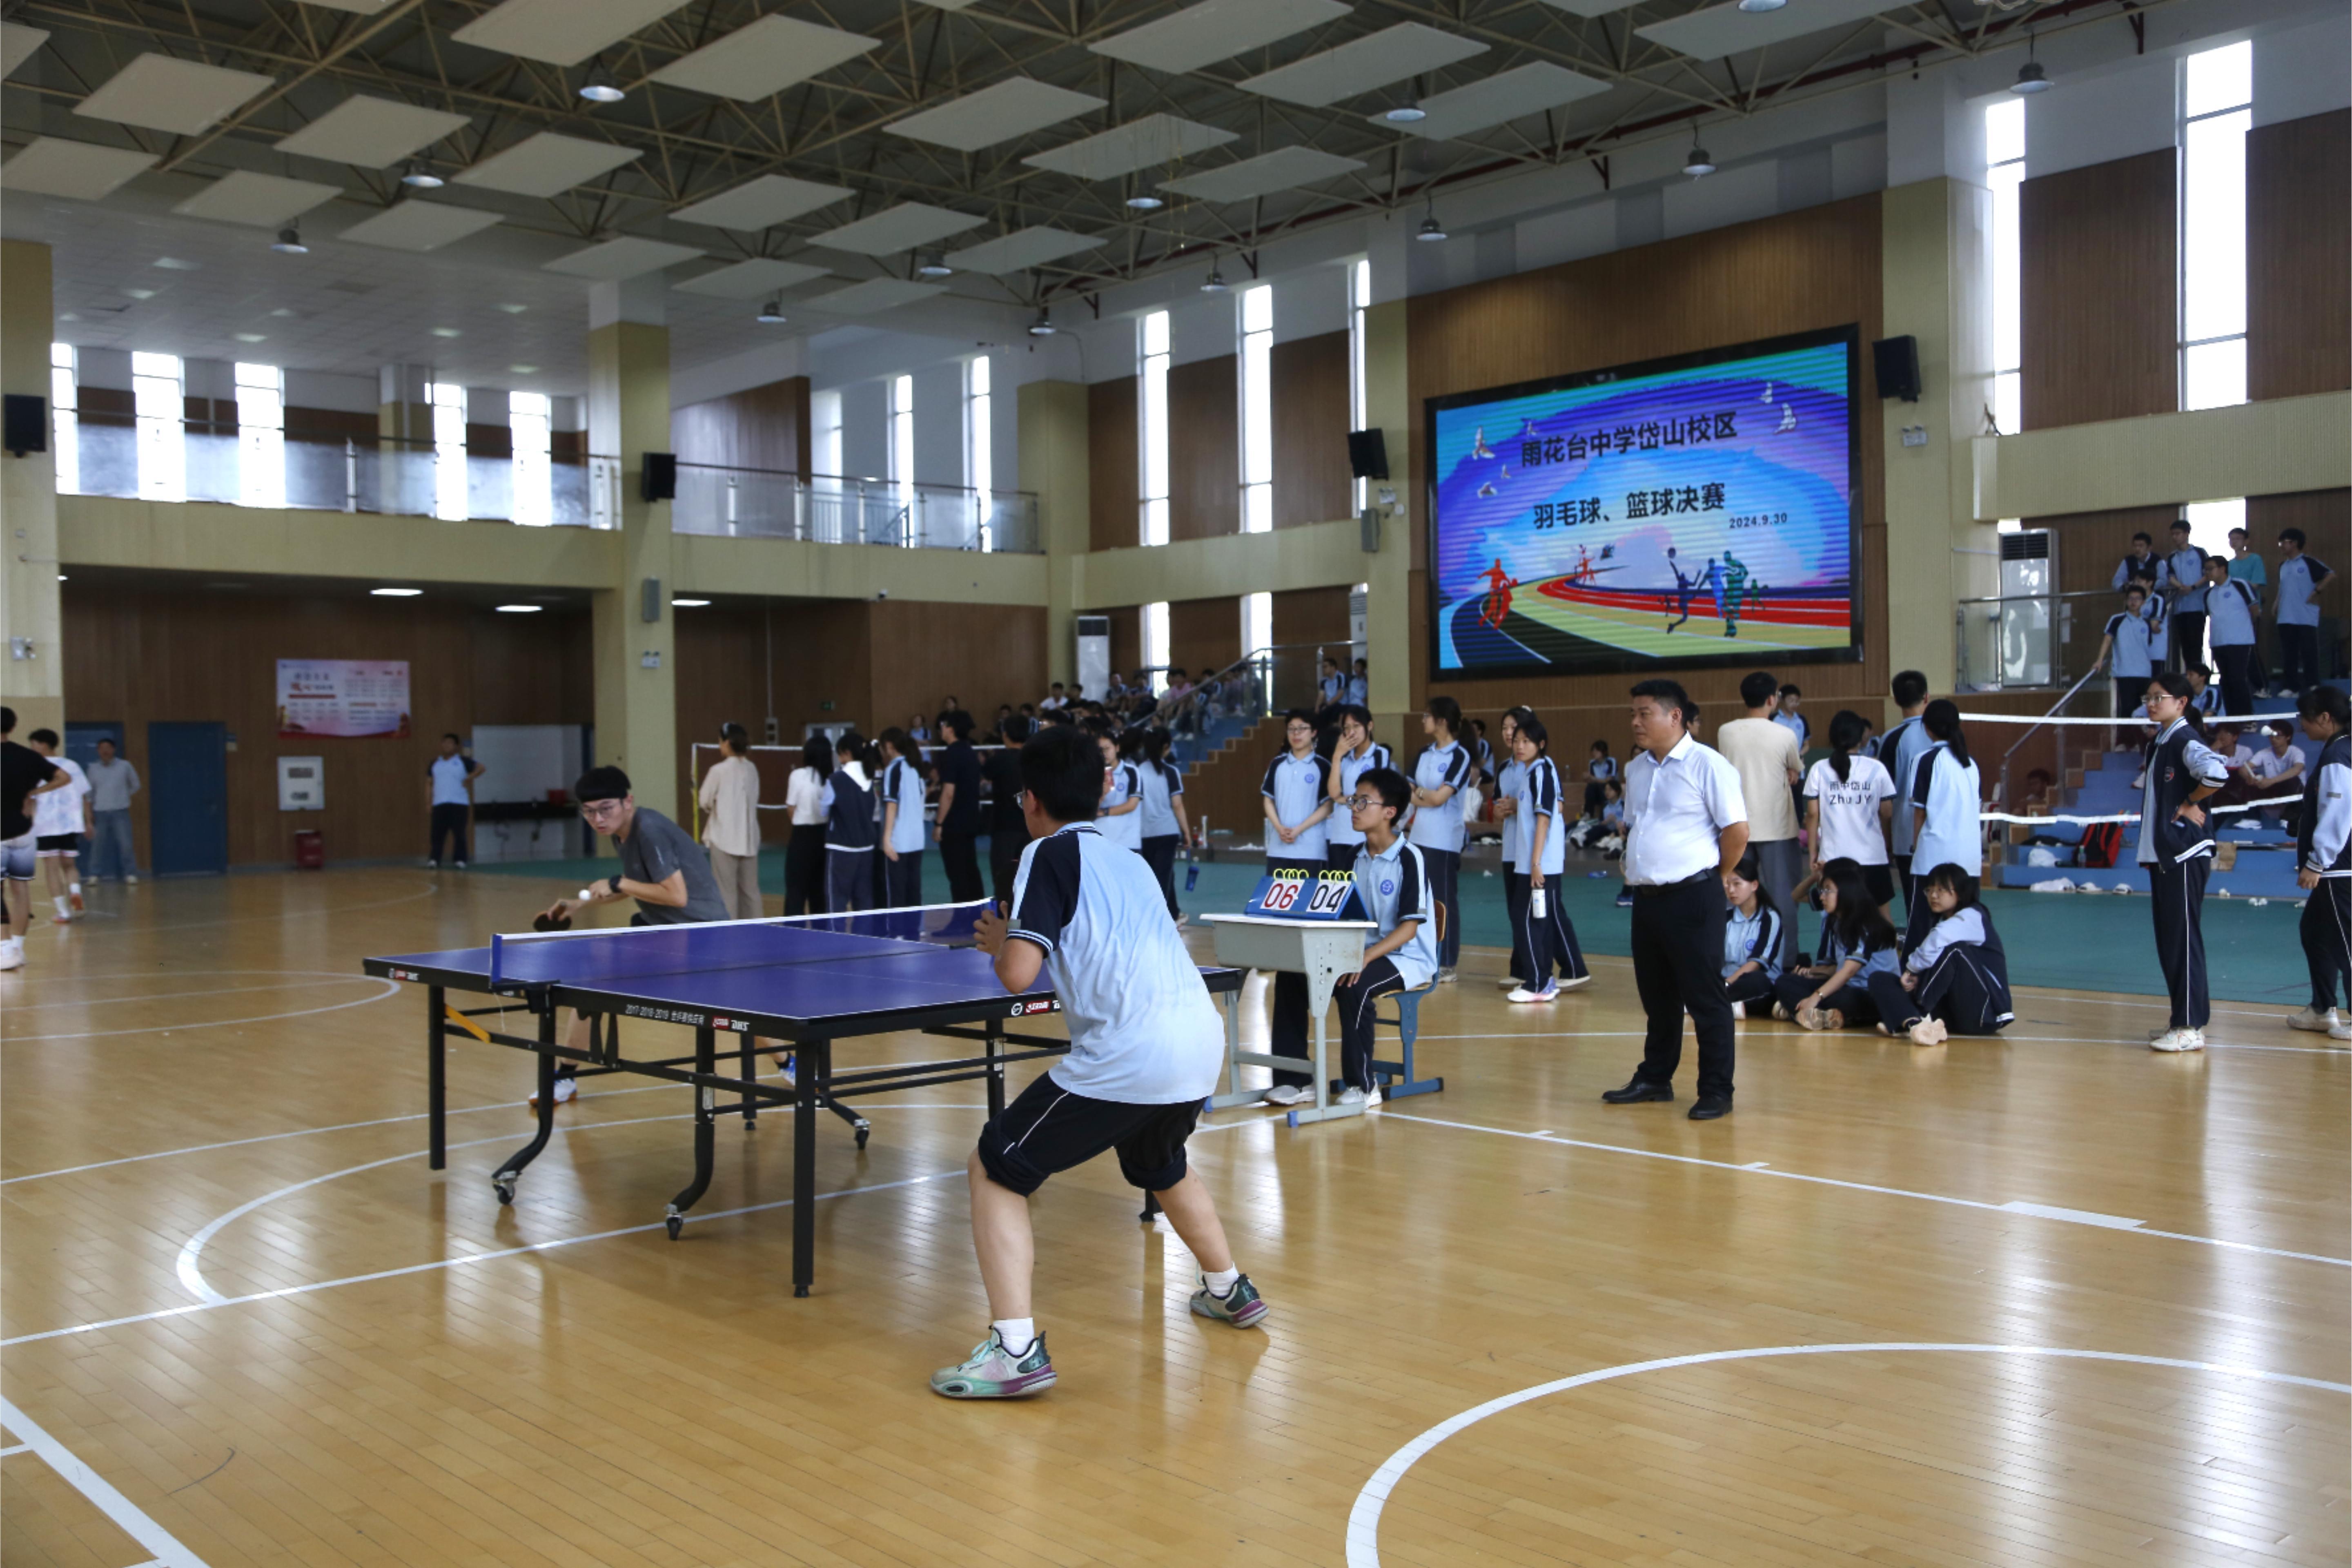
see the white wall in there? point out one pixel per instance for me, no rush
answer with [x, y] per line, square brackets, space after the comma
[2302, 71]
[866, 429]
[939, 423]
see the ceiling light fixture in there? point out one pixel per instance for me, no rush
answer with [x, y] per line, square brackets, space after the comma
[1700, 163]
[1215, 283]
[2031, 78]
[251, 337]
[1410, 110]
[289, 242]
[772, 314]
[419, 177]
[1431, 229]
[1144, 202]
[448, 332]
[519, 609]
[523, 368]
[1043, 327]
[514, 309]
[395, 592]
[1753, 6]
[688, 604]
[600, 87]
[932, 264]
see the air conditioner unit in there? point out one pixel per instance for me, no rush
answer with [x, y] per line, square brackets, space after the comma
[2029, 590]
[1094, 656]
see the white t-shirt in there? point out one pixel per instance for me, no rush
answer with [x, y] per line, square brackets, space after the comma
[805, 797]
[1849, 809]
[2266, 765]
[60, 811]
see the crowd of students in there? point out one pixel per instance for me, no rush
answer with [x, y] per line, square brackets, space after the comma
[2177, 603]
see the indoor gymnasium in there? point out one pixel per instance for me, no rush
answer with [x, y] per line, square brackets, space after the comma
[917, 783]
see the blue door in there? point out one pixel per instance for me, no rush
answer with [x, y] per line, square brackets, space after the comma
[187, 798]
[81, 746]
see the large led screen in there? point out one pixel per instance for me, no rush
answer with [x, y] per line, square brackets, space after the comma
[1696, 510]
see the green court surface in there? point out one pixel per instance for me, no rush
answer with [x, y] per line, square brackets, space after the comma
[2079, 941]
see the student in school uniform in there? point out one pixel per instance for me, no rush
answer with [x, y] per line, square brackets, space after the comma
[1297, 807]
[1956, 983]
[1393, 886]
[2323, 859]
[1857, 944]
[804, 856]
[2143, 565]
[2184, 594]
[957, 831]
[1788, 717]
[2230, 609]
[1600, 767]
[1165, 829]
[1355, 752]
[1555, 963]
[2129, 650]
[2175, 849]
[1008, 834]
[2300, 578]
[1440, 774]
[1943, 797]
[1121, 818]
[846, 798]
[902, 820]
[1507, 779]
[1145, 1044]
[2275, 772]
[1848, 804]
[1751, 939]
[1360, 685]
[1899, 749]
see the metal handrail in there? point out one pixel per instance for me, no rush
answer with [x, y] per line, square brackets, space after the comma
[816, 479]
[2007, 797]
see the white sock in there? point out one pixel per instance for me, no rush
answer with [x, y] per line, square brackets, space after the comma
[1221, 1283]
[61, 902]
[1017, 1334]
[75, 889]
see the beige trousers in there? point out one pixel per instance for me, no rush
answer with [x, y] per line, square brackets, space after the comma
[738, 883]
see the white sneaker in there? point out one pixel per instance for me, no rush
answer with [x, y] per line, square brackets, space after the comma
[2339, 1031]
[1283, 1094]
[130, 878]
[1740, 1012]
[1446, 976]
[1549, 993]
[2173, 1040]
[12, 954]
[2309, 1019]
[566, 1087]
[1351, 1095]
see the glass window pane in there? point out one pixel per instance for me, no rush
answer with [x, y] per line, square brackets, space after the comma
[2005, 130]
[2218, 78]
[1257, 408]
[2214, 226]
[2008, 307]
[2209, 523]
[980, 387]
[2008, 406]
[155, 364]
[61, 388]
[1155, 333]
[62, 355]
[1258, 508]
[1257, 309]
[1154, 407]
[2213, 376]
[1155, 522]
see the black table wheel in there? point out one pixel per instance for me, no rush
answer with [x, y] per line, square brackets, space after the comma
[506, 1189]
[676, 1222]
[864, 1130]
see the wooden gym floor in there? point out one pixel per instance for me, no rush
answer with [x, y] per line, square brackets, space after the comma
[2064, 1301]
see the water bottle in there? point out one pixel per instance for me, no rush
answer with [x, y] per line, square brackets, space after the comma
[1536, 907]
[1191, 872]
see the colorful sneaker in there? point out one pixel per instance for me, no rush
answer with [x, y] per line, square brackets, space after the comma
[1547, 993]
[992, 1372]
[1242, 1306]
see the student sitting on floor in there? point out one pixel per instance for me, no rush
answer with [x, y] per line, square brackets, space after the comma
[1751, 939]
[1956, 983]
[1856, 943]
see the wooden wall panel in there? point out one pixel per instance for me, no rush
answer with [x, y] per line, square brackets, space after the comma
[984, 653]
[1311, 615]
[2298, 255]
[1203, 633]
[1126, 638]
[1311, 482]
[764, 427]
[2097, 287]
[337, 425]
[1204, 463]
[1799, 271]
[2325, 519]
[137, 653]
[1111, 457]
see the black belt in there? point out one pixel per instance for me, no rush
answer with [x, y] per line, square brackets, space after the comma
[1652, 890]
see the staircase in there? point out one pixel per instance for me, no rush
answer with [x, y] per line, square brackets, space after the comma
[1224, 784]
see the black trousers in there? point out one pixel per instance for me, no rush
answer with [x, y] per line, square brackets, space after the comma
[1903, 877]
[1514, 906]
[2236, 662]
[2298, 656]
[2188, 638]
[1753, 987]
[2178, 907]
[1160, 854]
[902, 879]
[1354, 996]
[1678, 964]
[2327, 942]
[1852, 999]
[1288, 1031]
[450, 821]
[1954, 988]
[1551, 939]
[1445, 887]
[960, 858]
[1004, 862]
[805, 860]
[849, 880]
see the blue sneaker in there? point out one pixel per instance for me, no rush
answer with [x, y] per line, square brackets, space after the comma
[992, 1372]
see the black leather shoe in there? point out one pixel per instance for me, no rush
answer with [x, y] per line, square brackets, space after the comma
[1709, 1107]
[1637, 1089]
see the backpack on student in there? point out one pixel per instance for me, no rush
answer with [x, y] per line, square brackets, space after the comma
[2102, 842]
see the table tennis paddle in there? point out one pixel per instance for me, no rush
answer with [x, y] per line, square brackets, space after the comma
[551, 922]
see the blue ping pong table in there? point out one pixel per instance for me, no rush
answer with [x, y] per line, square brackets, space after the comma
[807, 983]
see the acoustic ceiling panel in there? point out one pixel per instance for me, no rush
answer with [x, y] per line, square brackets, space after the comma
[165, 94]
[624, 257]
[1024, 247]
[763, 59]
[1527, 89]
[1216, 30]
[371, 132]
[1593, 7]
[52, 166]
[1011, 108]
[1279, 170]
[758, 204]
[267, 200]
[1392, 54]
[17, 43]
[902, 228]
[419, 225]
[750, 280]
[1154, 140]
[561, 31]
[1725, 29]
[873, 294]
[546, 165]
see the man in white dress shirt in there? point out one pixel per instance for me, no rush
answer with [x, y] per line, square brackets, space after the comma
[1686, 824]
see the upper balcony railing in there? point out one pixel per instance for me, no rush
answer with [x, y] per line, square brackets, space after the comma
[825, 508]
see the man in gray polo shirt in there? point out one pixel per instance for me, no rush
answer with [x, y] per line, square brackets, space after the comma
[112, 782]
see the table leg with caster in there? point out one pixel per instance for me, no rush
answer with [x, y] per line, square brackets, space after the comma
[1151, 1207]
[436, 1074]
[816, 1058]
[511, 1172]
[748, 1056]
[705, 1129]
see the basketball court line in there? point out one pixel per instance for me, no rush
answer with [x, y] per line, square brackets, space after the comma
[392, 988]
[127, 1516]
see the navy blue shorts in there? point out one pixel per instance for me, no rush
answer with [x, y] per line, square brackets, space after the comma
[1051, 1129]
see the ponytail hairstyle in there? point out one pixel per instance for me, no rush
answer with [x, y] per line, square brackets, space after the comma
[2175, 684]
[1860, 925]
[898, 741]
[736, 738]
[1132, 742]
[1846, 731]
[1958, 882]
[1942, 720]
[854, 747]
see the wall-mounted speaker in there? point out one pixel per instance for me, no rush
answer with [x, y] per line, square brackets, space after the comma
[27, 424]
[1368, 455]
[657, 480]
[1895, 364]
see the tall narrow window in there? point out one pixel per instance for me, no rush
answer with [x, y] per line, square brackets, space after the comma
[2217, 92]
[2005, 172]
[824, 423]
[65, 400]
[161, 408]
[260, 435]
[448, 450]
[1257, 409]
[2209, 523]
[1155, 644]
[530, 425]
[1257, 622]
[980, 455]
[1152, 417]
[1359, 414]
[902, 438]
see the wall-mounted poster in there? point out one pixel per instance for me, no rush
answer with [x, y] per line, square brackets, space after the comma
[342, 697]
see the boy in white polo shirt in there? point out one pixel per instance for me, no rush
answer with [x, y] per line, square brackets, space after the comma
[1145, 1044]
